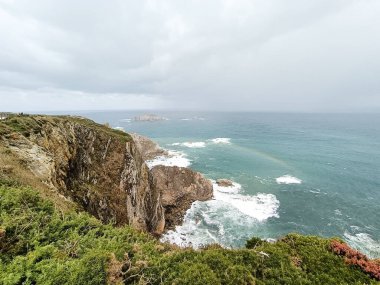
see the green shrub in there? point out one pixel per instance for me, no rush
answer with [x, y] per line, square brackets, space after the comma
[254, 242]
[39, 245]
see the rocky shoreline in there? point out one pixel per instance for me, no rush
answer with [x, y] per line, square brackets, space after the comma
[179, 186]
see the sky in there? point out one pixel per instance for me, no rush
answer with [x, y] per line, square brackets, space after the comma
[219, 55]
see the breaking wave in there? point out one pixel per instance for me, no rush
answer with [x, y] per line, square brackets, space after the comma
[211, 221]
[221, 140]
[174, 158]
[260, 206]
[201, 144]
[191, 144]
[287, 179]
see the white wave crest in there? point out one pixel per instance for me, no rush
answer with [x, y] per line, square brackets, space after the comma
[184, 235]
[213, 221]
[365, 243]
[119, 129]
[191, 144]
[221, 140]
[174, 158]
[260, 206]
[287, 179]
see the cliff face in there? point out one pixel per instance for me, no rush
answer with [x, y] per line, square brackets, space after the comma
[179, 188]
[97, 167]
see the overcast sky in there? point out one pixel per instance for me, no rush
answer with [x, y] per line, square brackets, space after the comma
[267, 55]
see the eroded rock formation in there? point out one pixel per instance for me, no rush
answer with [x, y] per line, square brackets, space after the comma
[179, 188]
[103, 170]
[97, 167]
[147, 148]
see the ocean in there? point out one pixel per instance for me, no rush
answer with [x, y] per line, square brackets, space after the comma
[315, 174]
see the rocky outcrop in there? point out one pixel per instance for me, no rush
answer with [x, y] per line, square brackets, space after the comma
[148, 148]
[179, 188]
[99, 168]
[224, 183]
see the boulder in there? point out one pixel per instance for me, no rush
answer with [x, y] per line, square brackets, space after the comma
[224, 183]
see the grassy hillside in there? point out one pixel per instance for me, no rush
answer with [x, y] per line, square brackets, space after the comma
[39, 244]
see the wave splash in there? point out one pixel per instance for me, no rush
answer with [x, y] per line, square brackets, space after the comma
[191, 144]
[202, 144]
[221, 141]
[174, 158]
[212, 221]
[260, 206]
[288, 179]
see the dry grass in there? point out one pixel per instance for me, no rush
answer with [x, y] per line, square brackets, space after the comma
[14, 170]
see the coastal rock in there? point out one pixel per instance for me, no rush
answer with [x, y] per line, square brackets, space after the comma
[179, 188]
[148, 148]
[224, 183]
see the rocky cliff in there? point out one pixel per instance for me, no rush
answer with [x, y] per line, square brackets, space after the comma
[179, 186]
[102, 170]
[97, 167]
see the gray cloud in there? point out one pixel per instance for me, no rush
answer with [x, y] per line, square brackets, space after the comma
[317, 55]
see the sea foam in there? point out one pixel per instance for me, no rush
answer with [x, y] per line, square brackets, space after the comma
[201, 144]
[260, 206]
[221, 140]
[365, 243]
[206, 222]
[234, 189]
[287, 179]
[191, 144]
[174, 158]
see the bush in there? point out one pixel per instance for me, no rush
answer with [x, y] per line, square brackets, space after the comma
[254, 242]
[39, 245]
[354, 257]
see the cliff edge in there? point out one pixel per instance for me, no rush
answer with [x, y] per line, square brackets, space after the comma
[99, 169]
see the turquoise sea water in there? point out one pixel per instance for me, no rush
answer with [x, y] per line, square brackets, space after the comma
[331, 162]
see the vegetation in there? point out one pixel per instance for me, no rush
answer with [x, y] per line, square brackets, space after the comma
[354, 257]
[41, 245]
[25, 124]
[95, 126]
